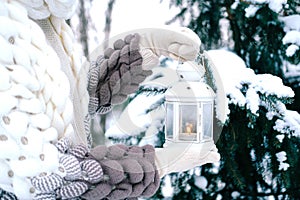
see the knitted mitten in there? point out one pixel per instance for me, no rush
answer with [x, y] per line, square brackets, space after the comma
[115, 75]
[114, 172]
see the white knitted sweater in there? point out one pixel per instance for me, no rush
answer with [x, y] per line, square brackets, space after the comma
[39, 88]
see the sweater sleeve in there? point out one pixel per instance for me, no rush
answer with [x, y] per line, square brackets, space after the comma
[113, 172]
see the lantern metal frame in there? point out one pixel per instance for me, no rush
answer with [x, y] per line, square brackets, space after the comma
[189, 105]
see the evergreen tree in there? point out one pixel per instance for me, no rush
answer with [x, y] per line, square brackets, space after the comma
[259, 31]
[259, 144]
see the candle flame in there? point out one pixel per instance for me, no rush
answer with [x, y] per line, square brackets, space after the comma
[188, 128]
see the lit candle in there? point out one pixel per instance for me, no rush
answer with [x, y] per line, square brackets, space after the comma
[188, 128]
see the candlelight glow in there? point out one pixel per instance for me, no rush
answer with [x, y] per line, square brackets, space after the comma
[188, 128]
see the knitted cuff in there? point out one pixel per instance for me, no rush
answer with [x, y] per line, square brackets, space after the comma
[7, 195]
[114, 172]
[115, 74]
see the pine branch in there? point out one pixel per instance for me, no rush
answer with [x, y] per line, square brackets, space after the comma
[148, 91]
[156, 105]
[179, 16]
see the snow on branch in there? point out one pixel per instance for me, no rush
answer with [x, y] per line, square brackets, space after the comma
[248, 90]
[255, 5]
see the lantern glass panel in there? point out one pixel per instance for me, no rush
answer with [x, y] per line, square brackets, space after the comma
[188, 122]
[207, 121]
[169, 120]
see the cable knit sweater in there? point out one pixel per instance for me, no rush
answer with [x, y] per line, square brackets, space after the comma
[45, 108]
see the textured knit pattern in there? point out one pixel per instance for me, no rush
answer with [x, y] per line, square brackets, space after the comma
[130, 170]
[114, 172]
[7, 195]
[35, 107]
[40, 9]
[92, 170]
[71, 190]
[53, 181]
[45, 196]
[60, 37]
[115, 75]
[71, 166]
[44, 98]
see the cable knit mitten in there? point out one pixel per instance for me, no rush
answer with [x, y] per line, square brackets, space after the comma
[115, 75]
[114, 172]
[117, 71]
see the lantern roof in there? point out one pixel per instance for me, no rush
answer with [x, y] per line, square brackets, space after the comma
[189, 91]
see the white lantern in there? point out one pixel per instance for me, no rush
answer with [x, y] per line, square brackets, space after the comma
[189, 108]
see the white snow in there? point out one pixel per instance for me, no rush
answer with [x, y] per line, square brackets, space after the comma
[281, 157]
[284, 166]
[252, 154]
[291, 22]
[292, 37]
[272, 85]
[267, 174]
[252, 100]
[235, 194]
[215, 167]
[250, 11]
[259, 1]
[220, 185]
[201, 182]
[280, 137]
[229, 63]
[167, 189]
[291, 50]
[289, 122]
[275, 5]
[219, 197]
[234, 5]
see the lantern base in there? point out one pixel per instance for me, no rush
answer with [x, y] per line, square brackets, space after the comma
[188, 136]
[171, 141]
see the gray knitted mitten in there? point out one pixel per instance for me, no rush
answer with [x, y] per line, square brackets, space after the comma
[114, 172]
[129, 172]
[115, 75]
